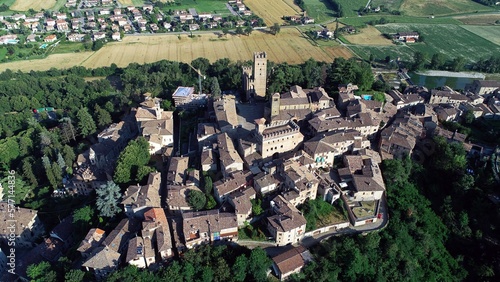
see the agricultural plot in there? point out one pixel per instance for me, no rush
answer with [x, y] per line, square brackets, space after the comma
[441, 7]
[131, 2]
[362, 21]
[491, 33]
[292, 5]
[389, 4]
[368, 36]
[381, 52]
[270, 11]
[319, 10]
[449, 40]
[288, 46]
[209, 6]
[483, 19]
[37, 5]
[351, 7]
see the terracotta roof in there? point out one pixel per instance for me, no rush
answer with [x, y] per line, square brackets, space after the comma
[233, 182]
[290, 260]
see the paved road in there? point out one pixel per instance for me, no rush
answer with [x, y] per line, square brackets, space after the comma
[233, 12]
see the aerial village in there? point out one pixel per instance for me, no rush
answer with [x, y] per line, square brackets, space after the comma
[298, 146]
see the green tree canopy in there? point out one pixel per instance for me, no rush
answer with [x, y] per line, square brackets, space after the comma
[108, 196]
[86, 124]
[196, 199]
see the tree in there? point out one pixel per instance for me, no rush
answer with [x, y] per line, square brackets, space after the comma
[107, 199]
[60, 161]
[69, 155]
[215, 88]
[67, 131]
[211, 203]
[86, 124]
[239, 268]
[457, 64]
[196, 199]
[131, 160]
[437, 61]
[275, 29]
[82, 217]
[468, 117]
[103, 117]
[419, 60]
[248, 30]
[74, 275]
[239, 30]
[41, 272]
[258, 264]
[256, 206]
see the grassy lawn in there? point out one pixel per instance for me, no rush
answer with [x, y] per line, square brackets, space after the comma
[445, 7]
[3, 52]
[361, 21]
[449, 40]
[380, 52]
[319, 10]
[491, 33]
[212, 6]
[256, 231]
[351, 7]
[365, 210]
[59, 4]
[68, 47]
[389, 4]
[319, 213]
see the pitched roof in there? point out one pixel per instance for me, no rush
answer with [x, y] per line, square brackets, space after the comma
[287, 217]
[233, 182]
[22, 216]
[207, 221]
[103, 258]
[290, 260]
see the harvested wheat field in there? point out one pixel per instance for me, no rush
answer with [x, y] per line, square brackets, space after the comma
[60, 61]
[368, 36]
[485, 19]
[37, 5]
[288, 46]
[271, 11]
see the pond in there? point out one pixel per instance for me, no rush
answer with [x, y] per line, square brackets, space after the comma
[431, 82]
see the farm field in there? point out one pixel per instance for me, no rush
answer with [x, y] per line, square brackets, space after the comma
[484, 19]
[292, 5]
[287, 46]
[271, 12]
[37, 5]
[211, 6]
[441, 7]
[362, 21]
[389, 4]
[368, 36]
[351, 7]
[450, 40]
[319, 10]
[381, 52]
[132, 2]
[491, 33]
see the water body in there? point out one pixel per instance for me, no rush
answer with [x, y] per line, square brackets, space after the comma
[437, 81]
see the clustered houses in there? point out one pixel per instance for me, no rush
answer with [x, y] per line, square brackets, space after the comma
[304, 147]
[103, 20]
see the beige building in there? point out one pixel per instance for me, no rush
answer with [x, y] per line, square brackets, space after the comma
[206, 227]
[137, 198]
[102, 263]
[484, 87]
[400, 138]
[230, 160]
[298, 103]
[255, 78]
[229, 184]
[287, 225]
[156, 228]
[155, 124]
[447, 96]
[28, 226]
[364, 123]
[186, 98]
[225, 112]
[277, 137]
[363, 178]
[290, 262]
[325, 147]
[240, 200]
[299, 183]
[91, 242]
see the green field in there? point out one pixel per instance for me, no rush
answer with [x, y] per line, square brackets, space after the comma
[319, 10]
[443, 7]
[491, 33]
[212, 6]
[380, 52]
[450, 40]
[389, 4]
[351, 7]
[362, 21]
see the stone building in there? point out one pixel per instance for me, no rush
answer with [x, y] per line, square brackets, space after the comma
[255, 78]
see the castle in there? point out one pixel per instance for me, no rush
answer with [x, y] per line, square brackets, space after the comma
[255, 78]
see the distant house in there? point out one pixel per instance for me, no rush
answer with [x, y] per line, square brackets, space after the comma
[406, 36]
[325, 33]
[98, 36]
[349, 29]
[50, 38]
[116, 36]
[75, 37]
[193, 27]
[31, 38]
[307, 20]
[290, 262]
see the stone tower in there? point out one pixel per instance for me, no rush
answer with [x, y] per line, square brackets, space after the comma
[255, 78]
[275, 104]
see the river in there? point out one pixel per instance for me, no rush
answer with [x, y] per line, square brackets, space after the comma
[432, 81]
